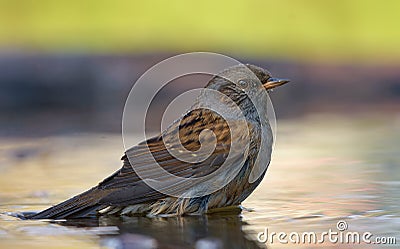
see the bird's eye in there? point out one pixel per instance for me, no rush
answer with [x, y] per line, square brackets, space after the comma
[243, 83]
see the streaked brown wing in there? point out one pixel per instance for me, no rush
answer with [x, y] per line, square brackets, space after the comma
[131, 189]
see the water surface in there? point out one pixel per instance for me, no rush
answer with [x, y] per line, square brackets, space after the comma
[324, 169]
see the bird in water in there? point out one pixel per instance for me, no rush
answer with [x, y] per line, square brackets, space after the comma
[127, 193]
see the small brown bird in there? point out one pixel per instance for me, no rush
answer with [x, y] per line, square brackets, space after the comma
[126, 193]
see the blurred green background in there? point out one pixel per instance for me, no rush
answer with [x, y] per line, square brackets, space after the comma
[67, 66]
[310, 29]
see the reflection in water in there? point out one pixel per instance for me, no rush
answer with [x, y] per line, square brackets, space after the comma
[323, 169]
[179, 232]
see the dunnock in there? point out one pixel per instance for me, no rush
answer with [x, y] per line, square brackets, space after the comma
[125, 192]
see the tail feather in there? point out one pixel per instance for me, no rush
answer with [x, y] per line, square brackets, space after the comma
[83, 205]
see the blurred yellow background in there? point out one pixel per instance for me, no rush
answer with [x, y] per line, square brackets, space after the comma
[311, 29]
[62, 60]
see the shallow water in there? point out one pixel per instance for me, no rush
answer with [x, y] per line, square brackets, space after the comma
[324, 169]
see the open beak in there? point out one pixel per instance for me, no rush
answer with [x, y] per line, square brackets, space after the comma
[275, 82]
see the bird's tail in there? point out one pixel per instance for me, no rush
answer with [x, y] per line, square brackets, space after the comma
[83, 205]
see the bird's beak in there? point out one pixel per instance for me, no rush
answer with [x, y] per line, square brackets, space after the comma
[275, 82]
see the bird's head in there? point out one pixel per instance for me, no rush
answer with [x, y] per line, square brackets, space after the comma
[244, 83]
[265, 77]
